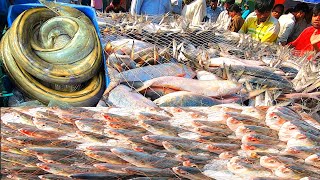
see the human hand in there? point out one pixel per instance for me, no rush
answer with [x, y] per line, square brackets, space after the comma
[315, 38]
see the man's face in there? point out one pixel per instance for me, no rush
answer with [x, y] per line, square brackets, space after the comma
[227, 6]
[232, 13]
[316, 21]
[262, 17]
[276, 12]
[214, 4]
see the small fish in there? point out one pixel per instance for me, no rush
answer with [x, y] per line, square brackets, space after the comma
[185, 99]
[29, 141]
[217, 139]
[46, 124]
[123, 133]
[52, 177]
[248, 129]
[190, 173]
[26, 160]
[235, 121]
[211, 131]
[301, 151]
[260, 139]
[94, 126]
[66, 160]
[110, 117]
[195, 159]
[273, 162]
[221, 147]
[209, 123]
[158, 139]
[114, 168]
[97, 175]
[160, 128]
[51, 150]
[313, 160]
[107, 157]
[149, 172]
[253, 147]
[303, 139]
[92, 137]
[294, 172]
[38, 133]
[143, 159]
[65, 170]
[185, 148]
[248, 170]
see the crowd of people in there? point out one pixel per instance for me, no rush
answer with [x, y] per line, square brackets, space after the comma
[267, 23]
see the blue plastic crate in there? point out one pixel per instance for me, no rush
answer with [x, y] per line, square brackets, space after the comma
[16, 10]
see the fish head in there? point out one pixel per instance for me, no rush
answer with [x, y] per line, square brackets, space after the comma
[314, 158]
[248, 147]
[44, 166]
[20, 141]
[251, 138]
[114, 125]
[270, 162]
[149, 138]
[167, 145]
[236, 168]
[226, 155]
[274, 121]
[293, 150]
[26, 132]
[285, 172]
[213, 148]
[43, 159]
[233, 123]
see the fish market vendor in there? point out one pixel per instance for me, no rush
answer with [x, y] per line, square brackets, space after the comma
[309, 39]
[194, 11]
[262, 26]
[150, 7]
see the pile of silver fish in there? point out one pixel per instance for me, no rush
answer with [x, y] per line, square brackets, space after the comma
[53, 53]
[227, 141]
[143, 74]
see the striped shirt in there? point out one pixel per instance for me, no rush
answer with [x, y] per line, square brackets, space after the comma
[265, 32]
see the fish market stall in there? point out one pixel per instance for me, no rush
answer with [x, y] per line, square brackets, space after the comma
[174, 101]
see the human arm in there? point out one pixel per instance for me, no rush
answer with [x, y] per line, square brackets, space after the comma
[315, 39]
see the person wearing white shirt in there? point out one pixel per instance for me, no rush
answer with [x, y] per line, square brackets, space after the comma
[224, 19]
[194, 11]
[287, 22]
[150, 7]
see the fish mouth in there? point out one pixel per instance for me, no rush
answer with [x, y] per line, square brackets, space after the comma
[43, 166]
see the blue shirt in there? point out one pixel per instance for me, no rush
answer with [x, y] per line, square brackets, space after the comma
[150, 7]
[4, 7]
[245, 14]
[213, 15]
[177, 6]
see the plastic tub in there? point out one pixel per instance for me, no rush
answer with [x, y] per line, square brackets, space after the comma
[16, 10]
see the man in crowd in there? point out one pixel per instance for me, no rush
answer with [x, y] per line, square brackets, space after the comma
[262, 26]
[213, 11]
[277, 11]
[236, 21]
[300, 22]
[246, 12]
[224, 19]
[309, 39]
[150, 7]
[287, 22]
[194, 11]
[115, 6]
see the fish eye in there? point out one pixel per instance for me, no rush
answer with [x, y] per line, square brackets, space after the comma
[275, 117]
[292, 128]
[271, 161]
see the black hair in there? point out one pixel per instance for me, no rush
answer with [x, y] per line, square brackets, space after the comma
[115, 2]
[301, 7]
[290, 10]
[316, 9]
[234, 8]
[213, 0]
[264, 5]
[279, 5]
[230, 2]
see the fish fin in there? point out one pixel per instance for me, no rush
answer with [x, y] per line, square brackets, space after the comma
[132, 51]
